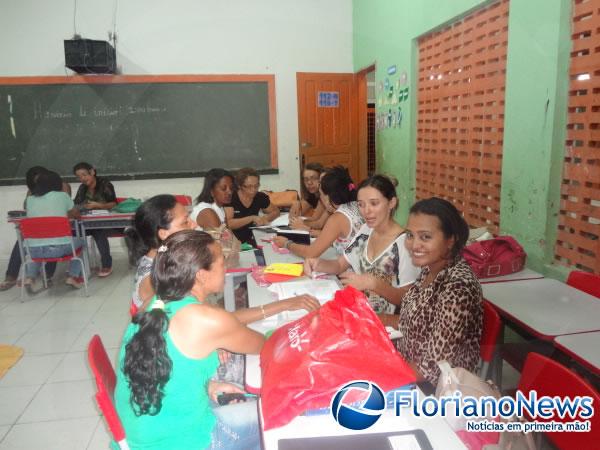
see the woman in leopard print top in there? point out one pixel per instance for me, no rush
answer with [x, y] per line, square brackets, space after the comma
[441, 315]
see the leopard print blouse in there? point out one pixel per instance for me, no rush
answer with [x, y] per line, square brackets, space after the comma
[442, 320]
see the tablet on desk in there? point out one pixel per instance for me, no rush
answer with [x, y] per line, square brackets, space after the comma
[394, 440]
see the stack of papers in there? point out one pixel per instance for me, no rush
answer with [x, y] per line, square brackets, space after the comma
[323, 290]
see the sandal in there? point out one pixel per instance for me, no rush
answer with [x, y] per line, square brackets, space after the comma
[7, 284]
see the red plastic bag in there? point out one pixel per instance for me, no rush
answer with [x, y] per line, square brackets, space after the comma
[494, 257]
[305, 362]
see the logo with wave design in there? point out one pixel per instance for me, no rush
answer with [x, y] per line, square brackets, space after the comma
[360, 415]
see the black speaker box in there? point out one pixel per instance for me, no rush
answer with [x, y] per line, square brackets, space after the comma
[89, 56]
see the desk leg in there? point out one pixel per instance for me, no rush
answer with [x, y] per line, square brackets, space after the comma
[229, 293]
[86, 254]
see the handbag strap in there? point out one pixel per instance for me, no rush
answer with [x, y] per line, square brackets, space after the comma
[447, 372]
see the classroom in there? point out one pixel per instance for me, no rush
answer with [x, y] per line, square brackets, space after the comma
[489, 105]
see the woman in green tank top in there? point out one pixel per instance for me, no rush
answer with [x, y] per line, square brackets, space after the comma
[164, 395]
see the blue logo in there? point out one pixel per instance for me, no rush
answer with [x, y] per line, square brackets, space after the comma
[361, 415]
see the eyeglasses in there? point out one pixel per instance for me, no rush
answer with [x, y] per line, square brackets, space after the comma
[251, 187]
[309, 179]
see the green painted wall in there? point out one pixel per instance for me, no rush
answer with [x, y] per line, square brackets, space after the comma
[385, 33]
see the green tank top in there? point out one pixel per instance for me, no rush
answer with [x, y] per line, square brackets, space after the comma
[185, 420]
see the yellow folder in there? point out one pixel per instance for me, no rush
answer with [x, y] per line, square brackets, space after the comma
[294, 270]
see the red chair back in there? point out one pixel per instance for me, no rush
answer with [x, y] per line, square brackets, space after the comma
[550, 378]
[45, 227]
[585, 281]
[185, 200]
[492, 325]
[105, 383]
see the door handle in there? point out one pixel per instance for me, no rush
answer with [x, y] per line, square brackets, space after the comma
[306, 144]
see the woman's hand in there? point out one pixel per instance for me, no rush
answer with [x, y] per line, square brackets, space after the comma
[307, 302]
[92, 205]
[280, 241]
[295, 209]
[224, 356]
[216, 387]
[261, 220]
[359, 281]
[310, 266]
[297, 223]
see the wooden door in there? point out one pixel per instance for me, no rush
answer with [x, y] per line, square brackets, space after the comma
[327, 120]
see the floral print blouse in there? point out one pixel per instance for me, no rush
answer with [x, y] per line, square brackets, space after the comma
[392, 265]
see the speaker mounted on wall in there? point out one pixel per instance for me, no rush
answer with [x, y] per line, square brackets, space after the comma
[90, 56]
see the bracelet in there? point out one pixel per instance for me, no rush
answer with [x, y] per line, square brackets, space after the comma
[288, 243]
[262, 310]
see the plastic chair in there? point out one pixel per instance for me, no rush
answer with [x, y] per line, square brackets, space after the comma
[492, 325]
[550, 378]
[185, 200]
[585, 281]
[49, 227]
[106, 380]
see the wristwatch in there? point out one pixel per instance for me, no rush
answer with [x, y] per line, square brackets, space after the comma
[288, 243]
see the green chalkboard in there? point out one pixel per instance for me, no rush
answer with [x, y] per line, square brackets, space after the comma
[135, 130]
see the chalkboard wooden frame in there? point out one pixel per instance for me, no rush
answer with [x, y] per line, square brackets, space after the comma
[269, 79]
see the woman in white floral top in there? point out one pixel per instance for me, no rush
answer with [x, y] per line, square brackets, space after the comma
[380, 265]
[338, 194]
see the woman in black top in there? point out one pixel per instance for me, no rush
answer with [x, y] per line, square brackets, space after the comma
[96, 193]
[246, 203]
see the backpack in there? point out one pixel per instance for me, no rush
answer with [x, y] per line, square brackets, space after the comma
[495, 257]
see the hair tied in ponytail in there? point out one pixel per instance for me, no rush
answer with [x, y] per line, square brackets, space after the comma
[351, 186]
[158, 304]
[162, 249]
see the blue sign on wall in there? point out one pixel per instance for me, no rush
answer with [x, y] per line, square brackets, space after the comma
[328, 99]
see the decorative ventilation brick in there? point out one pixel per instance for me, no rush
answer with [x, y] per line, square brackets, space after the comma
[578, 243]
[460, 122]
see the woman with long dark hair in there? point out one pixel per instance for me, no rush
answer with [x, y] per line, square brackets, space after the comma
[441, 315]
[155, 220]
[49, 199]
[164, 393]
[309, 213]
[216, 193]
[338, 193]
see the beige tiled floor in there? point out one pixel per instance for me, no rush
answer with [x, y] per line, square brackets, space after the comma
[46, 399]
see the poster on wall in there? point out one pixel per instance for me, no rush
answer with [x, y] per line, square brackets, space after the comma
[391, 91]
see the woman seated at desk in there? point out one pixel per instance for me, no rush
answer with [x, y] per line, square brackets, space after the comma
[158, 218]
[96, 193]
[164, 395]
[309, 213]
[442, 313]
[14, 263]
[209, 212]
[381, 266]
[338, 193]
[246, 203]
[49, 199]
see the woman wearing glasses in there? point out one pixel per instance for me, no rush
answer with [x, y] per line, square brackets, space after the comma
[246, 203]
